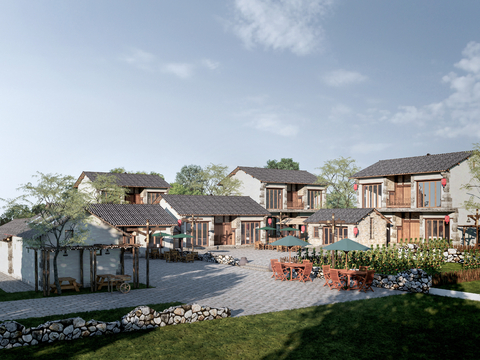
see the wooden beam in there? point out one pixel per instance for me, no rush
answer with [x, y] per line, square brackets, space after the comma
[36, 271]
[122, 261]
[81, 267]
[91, 270]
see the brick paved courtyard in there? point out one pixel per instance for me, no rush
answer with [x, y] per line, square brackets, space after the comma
[245, 291]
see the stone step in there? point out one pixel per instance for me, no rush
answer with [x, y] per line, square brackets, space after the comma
[256, 267]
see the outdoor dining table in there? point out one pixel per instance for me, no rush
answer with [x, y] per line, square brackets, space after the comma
[66, 283]
[292, 266]
[349, 274]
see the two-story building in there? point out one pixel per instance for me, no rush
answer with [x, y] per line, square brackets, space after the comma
[141, 188]
[290, 196]
[421, 195]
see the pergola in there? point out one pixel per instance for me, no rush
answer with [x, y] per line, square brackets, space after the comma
[475, 217]
[45, 252]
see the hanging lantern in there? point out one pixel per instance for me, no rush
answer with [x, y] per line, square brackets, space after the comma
[355, 187]
[447, 219]
[269, 221]
[303, 228]
[355, 231]
[65, 252]
[179, 222]
[444, 182]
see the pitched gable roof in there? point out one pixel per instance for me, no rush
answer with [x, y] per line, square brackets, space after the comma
[279, 175]
[414, 165]
[350, 216]
[214, 205]
[132, 214]
[17, 227]
[128, 180]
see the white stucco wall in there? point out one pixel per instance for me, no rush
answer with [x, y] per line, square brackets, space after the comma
[250, 186]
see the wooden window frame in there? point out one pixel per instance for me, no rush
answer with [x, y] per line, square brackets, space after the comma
[430, 223]
[253, 233]
[420, 200]
[328, 230]
[270, 198]
[372, 228]
[204, 233]
[153, 200]
[312, 194]
[378, 187]
[316, 232]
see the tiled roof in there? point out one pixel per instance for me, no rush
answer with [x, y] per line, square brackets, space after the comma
[414, 165]
[350, 216]
[128, 180]
[214, 205]
[279, 175]
[17, 227]
[132, 214]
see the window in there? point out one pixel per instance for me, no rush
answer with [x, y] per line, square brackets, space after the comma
[153, 198]
[274, 199]
[315, 199]
[250, 232]
[316, 232]
[372, 195]
[436, 229]
[340, 233]
[429, 194]
[372, 227]
[200, 234]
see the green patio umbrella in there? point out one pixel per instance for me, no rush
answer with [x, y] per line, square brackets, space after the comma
[289, 229]
[290, 241]
[267, 228]
[346, 245]
[162, 234]
[183, 236]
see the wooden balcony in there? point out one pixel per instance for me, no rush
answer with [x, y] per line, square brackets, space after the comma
[398, 200]
[295, 204]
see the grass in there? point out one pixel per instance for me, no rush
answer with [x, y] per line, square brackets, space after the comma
[24, 295]
[409, 326]
[448, 267]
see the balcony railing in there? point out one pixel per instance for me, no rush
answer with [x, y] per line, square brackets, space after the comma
[295, 204]
[398, 203]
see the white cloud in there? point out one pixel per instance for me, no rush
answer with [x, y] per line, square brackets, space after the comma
[139, 58]
[212, 65]
[342, 77]
[272, 123]
[339, 111]
[182, 70]
[281, 24]
[459, 114]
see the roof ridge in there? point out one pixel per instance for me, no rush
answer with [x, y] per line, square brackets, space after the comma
[428, 154]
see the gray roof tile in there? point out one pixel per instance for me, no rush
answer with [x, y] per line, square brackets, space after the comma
[279, 175]
[17, 227]
[350, 216]
[414, 165]
[214, 205]
[132, 214]
[129, 180]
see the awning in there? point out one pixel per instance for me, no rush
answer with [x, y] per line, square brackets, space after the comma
[294, 221]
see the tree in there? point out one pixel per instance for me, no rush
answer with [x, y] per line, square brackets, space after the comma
[336, 175]
[177, 189]
[191, 180]
[62, 217]
[107, 191]
[284, 163]
[16, 211]
[121, 170]
[474, 184]
[217, 181]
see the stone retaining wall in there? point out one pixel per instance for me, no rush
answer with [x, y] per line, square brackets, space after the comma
[13, 334]
[219, 259]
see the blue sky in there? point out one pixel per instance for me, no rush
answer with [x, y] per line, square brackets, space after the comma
[155, 85]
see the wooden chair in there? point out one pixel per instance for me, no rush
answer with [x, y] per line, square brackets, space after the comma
[154, 253]
[304, 274]
[306, 261]
[326, 274]
[257, 245]
[337, 283]
[365, 283]
[280, 273]
[271, 264]
[189, 257]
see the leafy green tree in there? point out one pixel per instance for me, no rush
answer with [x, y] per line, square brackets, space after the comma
[217, 181]
[336, 175]
[121, 170]
[474, 184]
[191, 179]
[106, 190]
[177, 189]
[16, 211]
[62, 217]
[284, 163]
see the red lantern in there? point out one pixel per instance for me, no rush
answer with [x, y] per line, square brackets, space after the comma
[447, 219]
[269, 221]
[355, 187]
[355, 231]
[179, 222]
[444, 182]
[303, 228]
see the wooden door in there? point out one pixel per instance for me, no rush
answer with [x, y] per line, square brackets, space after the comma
[410, 229]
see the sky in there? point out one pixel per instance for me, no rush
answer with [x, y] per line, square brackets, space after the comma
[156, 85]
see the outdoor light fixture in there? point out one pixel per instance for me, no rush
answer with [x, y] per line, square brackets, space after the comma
[447, 219]
[444, 182]
[65, 252]
[355, 187]
[355, 231]
[107, 252]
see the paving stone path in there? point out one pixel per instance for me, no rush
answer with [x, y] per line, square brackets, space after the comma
[11, 285]
[245, 291]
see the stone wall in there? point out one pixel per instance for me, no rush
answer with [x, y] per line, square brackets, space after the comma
[13, 334]
[219, 259]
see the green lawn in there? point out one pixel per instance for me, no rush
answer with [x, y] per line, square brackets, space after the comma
[448, 267]
[23, 295]
[409, 326]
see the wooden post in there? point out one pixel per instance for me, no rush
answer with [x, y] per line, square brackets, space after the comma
[81, 268]
[44, 273]
[95, 270]
[134, 275]
[122, 260]
[147, 250]
[138, 268]
[48, 272]
[91, 271]
[36, 271]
